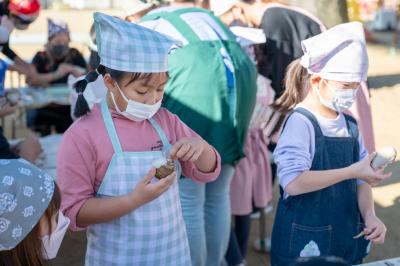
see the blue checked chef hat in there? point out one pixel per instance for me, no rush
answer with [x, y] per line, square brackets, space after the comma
[128, 47]
[25, 193]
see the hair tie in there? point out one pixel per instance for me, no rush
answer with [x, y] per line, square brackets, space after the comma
[80, 93]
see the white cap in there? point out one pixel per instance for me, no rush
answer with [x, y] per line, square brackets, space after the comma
[339, 53]
[131, 7]
[249, 36]
[220, 7]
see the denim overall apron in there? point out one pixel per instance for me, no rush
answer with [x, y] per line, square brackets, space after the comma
[323, 222]
[153, 234]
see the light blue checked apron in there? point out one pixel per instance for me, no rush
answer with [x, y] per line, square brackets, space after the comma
[151, 235]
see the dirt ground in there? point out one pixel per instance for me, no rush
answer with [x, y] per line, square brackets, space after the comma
[384, 81]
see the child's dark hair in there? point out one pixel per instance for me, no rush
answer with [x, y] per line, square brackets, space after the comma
[82, 107]
[296, 83]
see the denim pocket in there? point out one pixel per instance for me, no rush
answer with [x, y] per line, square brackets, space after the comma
[309, 241]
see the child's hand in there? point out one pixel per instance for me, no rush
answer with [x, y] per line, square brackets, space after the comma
[7, 109]
[187, 149]
[63, 69]
[29, 149]
[375, 230]
[364, 171]
[145, 191]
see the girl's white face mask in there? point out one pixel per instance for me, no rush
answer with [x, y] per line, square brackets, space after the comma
[51, 243]
[342, 99]
[136, 111]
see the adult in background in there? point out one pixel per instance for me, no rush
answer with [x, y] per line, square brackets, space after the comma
[285, 27]
[212, 88]
[53, 65]
[16, 14]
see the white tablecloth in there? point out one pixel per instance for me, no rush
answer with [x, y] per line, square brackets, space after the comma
[39, 97]
[48, 159]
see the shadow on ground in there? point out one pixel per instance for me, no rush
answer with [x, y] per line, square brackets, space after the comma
[376, 82]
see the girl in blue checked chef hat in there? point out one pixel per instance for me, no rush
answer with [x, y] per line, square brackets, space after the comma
[31, 225]
[107, 157]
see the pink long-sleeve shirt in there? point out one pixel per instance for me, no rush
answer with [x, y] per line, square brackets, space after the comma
[86, 151]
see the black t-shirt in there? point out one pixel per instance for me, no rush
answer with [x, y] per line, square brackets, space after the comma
[5, 47]
[43, 64]
[5, 151]
[284, 29]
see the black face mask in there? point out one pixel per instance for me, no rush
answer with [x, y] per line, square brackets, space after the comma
[20, 23]
[59, 51]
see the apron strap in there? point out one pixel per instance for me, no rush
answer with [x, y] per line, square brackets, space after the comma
[112, 133]
[226, 30]
[176, 21]
[352, 126]
[313, 120]
[160, 133]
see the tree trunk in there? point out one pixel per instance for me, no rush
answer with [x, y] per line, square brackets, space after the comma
[331, 12]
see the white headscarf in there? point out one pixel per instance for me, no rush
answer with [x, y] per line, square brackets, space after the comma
[220, 7]
[132, 7]
[55, 27]
[338, 54]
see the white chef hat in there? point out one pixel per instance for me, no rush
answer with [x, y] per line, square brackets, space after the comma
[219, 7]
[132, 7]
[338, 54]
[249, 36]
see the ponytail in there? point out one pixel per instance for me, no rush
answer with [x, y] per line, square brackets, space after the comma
[82, 107]
[296, 82]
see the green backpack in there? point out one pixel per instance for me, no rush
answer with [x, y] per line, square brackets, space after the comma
[215, 104]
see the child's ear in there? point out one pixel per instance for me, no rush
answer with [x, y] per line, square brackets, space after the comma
[315, 79]
[109, 82]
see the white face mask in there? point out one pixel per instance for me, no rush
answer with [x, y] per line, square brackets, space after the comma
[51, 243]
[342, 99]
[136, 111]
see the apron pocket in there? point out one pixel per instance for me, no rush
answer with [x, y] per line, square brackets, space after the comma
[310, 241]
